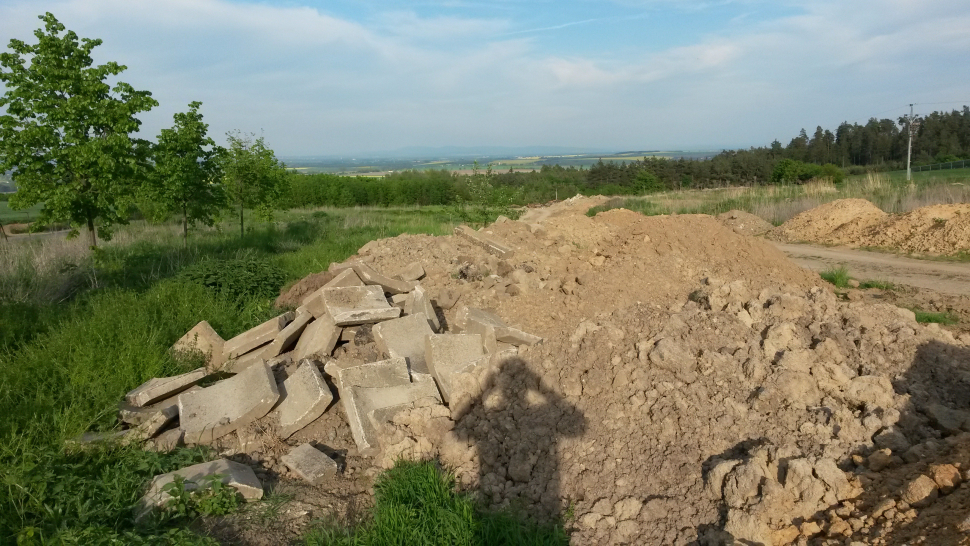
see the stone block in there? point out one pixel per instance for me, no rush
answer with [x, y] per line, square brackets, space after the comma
[383, 373]
[404, 337]
[400, 300]
[319, 338]
[448, 354]
[287, 338]
[419, 302]
[310, 463]
[161, 388]
[212, 412]
[474, 321]
[304, 396]
[490, 244]
[254, 337]
[448, 297]
[236, 475]
[202, 338]
[371, 277]
[412, 272]
[314, 302]
[256, 356]
[348, 334]
[354, 305]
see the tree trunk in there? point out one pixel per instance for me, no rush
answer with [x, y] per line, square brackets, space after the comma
[2, 231]
[185, 226]
[94, 238]
[242, 232]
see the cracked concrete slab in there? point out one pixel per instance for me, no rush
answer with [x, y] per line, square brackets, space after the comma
[310, 463]
[474, 321]
[318, 338]
[314, 302]
[404, 337]
[418, 301]
[371, 277]
[304, 396]
[448, 354]
[491, 244]
[236, 475]
[256, 336]
[217, 410]
[160, 388]
[355, 305]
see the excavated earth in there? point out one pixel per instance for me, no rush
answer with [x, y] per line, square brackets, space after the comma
[694, 386]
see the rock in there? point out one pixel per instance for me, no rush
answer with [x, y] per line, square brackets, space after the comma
[372, 277]
[412, 272]
[946, 476]
[448, 298]
[670, 355]
[213, 412]
[287, 338]
[235, 475]
[870, 390]
[202, 338]
[879, 460]
[405, 338]
[490, 244]
[318, 338]
[947, 419]
[254, 337]
[418, 301]
[161, 388]
[919, 492]
[447, 355]
[310, 464]
[354, 305]
[304, 396]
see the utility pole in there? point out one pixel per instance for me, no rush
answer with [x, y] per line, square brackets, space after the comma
[909, 153]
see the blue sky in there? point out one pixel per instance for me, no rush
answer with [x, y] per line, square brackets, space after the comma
[358, 77]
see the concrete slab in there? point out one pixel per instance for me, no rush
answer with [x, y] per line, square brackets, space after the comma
[304, 396]
[310, 463]
[474, 321]
[204, 339]
[236, 475]
[383, 373]
[166, 441]
[348, 334]
[496, 350]
[399, 300]
[448, 354]
[412, 272]
[404, 338]
[256, 356]
[254, 337]
[158, 420]
[354, 305]
[160, 388]
[319, 338]
[287, 338]
[314, 302]
[491, 244]
[422, 390]
[135, 415]
[212, 412]
[371, 277]
[419, 302]
[361, 402]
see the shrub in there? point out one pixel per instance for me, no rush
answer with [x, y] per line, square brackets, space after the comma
[245, 276]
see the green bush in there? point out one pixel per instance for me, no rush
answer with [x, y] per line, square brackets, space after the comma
[244, 277]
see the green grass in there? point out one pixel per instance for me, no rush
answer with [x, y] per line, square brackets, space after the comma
[838, 276]
[65, 363]
[881, 285]
[946, 319]
[417, 503]
[10, 216]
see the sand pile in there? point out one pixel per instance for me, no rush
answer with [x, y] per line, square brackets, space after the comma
[745, 223]
[840, 222]
[938, 229]
[693, 386]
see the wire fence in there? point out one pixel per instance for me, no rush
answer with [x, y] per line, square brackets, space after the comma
[940, 166]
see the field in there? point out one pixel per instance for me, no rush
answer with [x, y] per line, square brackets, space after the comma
[10, 216]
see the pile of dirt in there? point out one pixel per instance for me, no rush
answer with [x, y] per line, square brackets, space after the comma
[840, 222]
[938, 229]
[693, 386]
[745, 223]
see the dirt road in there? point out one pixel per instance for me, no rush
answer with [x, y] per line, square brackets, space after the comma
[944, 277]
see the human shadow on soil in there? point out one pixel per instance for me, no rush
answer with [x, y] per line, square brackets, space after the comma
[515, 427]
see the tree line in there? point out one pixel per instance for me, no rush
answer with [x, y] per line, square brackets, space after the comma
[67, 138]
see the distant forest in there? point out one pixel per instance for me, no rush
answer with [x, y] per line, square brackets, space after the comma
[879, 145]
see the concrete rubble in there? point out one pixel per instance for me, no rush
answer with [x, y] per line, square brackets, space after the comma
[447, 355]
[161, 388]
[235, 475]
[255, 337]
[304, 396]
[404, 337]
[353, 305]
[213, 412]
[202, 338]
[310, 463]
[490, 244]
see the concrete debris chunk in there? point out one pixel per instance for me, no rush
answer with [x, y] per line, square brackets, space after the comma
[157, 421]
[365, 401]
[201, 338]
[412, 272]
[287, 338]
[304, 396]
[318, 338]
[372, 277]
[404, 338]
[486, 241]
[134, 415]
[448, 354]
[254, 337]
[236, 475]
[496, 350]
[256, 356]
[161, 388]
[354, 305]
[213, 412]
[419, 302]
[475, 321]
[166, 441]
[314, 302]
[400, 300]
[383, 373]
[91, 438]
[310, 463]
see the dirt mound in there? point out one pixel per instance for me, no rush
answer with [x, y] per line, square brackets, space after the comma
[840, 222]
[293, 296]
[745, 223]
[940, 229]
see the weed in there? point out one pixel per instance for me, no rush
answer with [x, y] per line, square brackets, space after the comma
[939, 222]
[838, 276]
[882, 285]
[212, 497]
[947, 319]
[245, 276]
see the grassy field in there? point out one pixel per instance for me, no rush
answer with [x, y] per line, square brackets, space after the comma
[78, 329]
[10, 216]
[890, 192]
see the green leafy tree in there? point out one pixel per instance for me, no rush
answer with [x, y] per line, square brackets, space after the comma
[66, 135]
[253, 177]
[186, 176]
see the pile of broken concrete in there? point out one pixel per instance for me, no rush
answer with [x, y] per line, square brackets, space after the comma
[272, 374]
